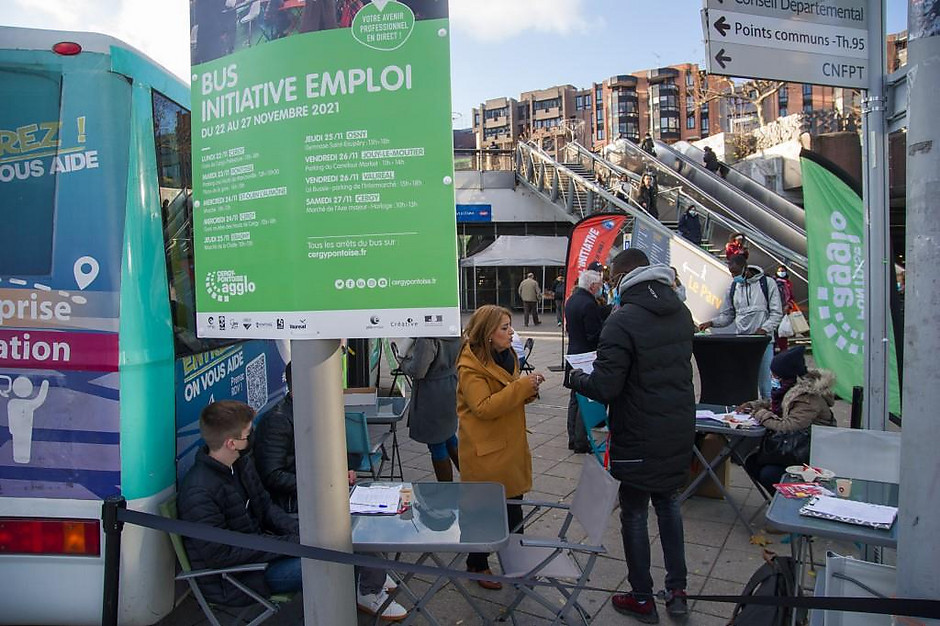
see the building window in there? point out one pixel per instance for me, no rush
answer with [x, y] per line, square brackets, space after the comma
[476, 119]
[600, 133]
[807, 90]
[689, 103]
[578, 103]
[783, 112]
[599, 94]
[783, 96]
[587, 101]
[492, 114]
[704, 125]
[545, 105]
[704, 109]
[690, 120]
[600, 116]
[807, 107]
[689, 80]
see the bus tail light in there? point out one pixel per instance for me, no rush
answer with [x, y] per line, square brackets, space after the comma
[80, 537]
[67, 48]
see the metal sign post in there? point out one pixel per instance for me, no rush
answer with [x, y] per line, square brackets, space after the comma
[877, 249]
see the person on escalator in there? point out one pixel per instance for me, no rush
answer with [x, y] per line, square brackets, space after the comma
[647, 145]
[690, 227]
[647, 195]
[710, 159]
[735, 246]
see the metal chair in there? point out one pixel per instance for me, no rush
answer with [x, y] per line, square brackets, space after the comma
[555, 559]
[593, 414]
[359, 443]
[268, 605]
[527, 355]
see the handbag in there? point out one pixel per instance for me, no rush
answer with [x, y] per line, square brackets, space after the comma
[798, 322]
[786, 328]
[785, 448]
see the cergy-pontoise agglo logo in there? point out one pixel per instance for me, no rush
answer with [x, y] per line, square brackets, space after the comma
[221, 285]
[842, 299]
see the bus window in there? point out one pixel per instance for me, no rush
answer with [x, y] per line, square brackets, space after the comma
[174, 173]
[29, 138]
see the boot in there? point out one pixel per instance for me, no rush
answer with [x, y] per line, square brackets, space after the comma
[452, 451]
[443, 470]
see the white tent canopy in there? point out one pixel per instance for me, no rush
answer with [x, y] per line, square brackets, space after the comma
[517, 250]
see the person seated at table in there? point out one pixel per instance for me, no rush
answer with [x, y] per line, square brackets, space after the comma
[799, 398]
[275, 462]
[491, 399]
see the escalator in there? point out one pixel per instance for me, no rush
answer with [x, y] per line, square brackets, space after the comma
[774, 238]
[578, 185]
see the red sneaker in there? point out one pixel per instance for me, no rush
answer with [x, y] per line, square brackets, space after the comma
[643, 610]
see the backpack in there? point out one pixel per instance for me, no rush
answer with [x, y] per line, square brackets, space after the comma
[763, 288]
[775, 578]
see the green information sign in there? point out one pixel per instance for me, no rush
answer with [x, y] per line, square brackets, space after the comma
[323, 179]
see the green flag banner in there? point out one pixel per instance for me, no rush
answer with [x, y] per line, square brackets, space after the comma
[835, 236]
[323, 172]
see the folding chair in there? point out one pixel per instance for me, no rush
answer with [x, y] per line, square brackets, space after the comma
[253, 15]
[527, 355]
[398, 371]
[358, 442]
[553, 559]
[269, 605]
[593, 414]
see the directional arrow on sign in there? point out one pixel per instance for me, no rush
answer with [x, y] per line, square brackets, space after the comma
[721, 57]
[722, 26]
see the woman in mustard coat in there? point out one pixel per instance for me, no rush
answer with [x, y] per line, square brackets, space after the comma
[491, 399]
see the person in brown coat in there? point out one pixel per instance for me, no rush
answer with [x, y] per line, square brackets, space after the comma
[799, 398]
[491, 399]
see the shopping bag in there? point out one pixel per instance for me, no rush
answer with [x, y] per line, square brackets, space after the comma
[786, 328]
[798, 323]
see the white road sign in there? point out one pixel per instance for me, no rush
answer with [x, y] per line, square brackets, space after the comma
[805, 42]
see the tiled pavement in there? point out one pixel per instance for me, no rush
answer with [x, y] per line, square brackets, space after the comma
[719, 550]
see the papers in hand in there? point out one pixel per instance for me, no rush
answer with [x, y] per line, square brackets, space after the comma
[583, 362]
[375, 499]
[850, 512]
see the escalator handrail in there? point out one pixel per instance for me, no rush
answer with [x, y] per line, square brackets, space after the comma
[773, 249]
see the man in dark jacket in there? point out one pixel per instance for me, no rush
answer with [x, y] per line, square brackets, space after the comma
[643, 372]
[274, 458]
[583, 321]
[222, 489]
[559, 298]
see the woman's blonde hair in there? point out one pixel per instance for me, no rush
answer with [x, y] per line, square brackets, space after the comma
[483, 323]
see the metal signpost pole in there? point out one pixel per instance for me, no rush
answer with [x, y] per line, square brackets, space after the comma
[918, 548]
[875, 200]
[323, 492]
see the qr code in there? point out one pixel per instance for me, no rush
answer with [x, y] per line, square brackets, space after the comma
[256, 373]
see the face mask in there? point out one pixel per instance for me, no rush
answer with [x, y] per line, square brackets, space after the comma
[781, 274]
[739, 279]
[775, 384]
[692, 213]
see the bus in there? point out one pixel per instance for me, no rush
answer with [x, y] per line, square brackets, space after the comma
[102, 376]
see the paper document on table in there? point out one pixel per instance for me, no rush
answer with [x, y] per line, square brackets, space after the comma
[375, 499]
[851, 512]
[735, 420]
[583, 362]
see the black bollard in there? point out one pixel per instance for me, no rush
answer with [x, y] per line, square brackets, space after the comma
[112, 558]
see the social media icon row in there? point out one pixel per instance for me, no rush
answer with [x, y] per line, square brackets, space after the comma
[360, 283]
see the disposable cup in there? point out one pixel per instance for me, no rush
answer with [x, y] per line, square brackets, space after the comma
[844, 487]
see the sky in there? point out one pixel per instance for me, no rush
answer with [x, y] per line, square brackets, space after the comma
[499, 47]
